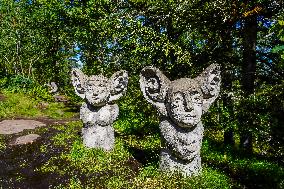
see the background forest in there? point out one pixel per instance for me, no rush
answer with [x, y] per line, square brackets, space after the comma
[41, 41]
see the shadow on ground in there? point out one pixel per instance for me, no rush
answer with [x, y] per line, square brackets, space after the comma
[251, 171]
[18, 164]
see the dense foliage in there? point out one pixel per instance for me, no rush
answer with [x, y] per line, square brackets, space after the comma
[40, 41]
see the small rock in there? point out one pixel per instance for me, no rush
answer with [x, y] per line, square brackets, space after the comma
[42, 105]
[2, 97]
[26, 139]
[60, 98]
[16, 126]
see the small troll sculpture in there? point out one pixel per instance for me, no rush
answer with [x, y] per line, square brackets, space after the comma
[181, 104]
[98, 112]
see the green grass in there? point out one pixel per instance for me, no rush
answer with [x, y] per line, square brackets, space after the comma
[23, 105]
[249, 170]
[2, 143]
[94, 168]
[134, 161]
[123, 168]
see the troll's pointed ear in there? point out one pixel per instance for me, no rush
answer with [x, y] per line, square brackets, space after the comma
[79, 82]
[154, 86]
[210, 85]
[118, 85]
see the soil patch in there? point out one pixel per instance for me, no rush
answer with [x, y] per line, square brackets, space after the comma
[42, 121]
[2, 97]
[49, 121]
[19, 164]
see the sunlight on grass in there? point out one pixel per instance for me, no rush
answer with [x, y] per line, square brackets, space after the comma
[95, 168]
[150, 177]
[18, 105]
[2, 143]
[22, 105]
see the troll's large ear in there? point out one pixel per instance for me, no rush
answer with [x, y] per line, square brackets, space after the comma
[118, 85]
[210, 85]
[78, 81]
[154, 86]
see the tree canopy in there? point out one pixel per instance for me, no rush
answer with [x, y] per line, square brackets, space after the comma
[42, 40]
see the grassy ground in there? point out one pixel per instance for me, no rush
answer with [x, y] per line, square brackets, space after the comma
[15, 105]
[60, 160]
[134, 164]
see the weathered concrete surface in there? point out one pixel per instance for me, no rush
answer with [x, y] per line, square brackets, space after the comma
[26, 139]
[98, 112]
[181, 104]
[17, 126]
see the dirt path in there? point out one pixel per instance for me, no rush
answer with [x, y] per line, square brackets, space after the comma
[2, 97]
[17, 126]
[46, 120]
[23, 154]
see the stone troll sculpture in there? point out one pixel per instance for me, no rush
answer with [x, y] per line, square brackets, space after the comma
[98, 112]
[181, 104]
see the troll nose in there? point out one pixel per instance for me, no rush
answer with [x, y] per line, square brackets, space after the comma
[187, 105]
[95, 94]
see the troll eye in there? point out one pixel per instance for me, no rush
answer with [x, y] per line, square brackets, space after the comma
[196, 98]
[192, 93]
[177, 99]
[153, 84]
[174, 105]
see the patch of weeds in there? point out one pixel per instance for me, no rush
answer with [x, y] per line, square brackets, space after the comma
[117, 182]
[66, 133]
[75, 183]
[150, 177]
[145, 142]
[150, 170]
[144, 149]
[79, 167]
[212, 178]
[43, 148]
[58, 111]
[2, 143]
[18, 105]
[135, 124]
[213, 153]
[23, 105]
[93, 167]
[248, 171]
[257, 173]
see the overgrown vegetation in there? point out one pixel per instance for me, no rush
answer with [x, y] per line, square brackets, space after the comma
[94, 168]
[134, 161]
[41, 41]
[134, 164]
[19, 105]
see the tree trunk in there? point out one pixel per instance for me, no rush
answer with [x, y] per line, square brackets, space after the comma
[228, 103]
[229, 131]
[227, 60]
[229, 137]
[248, 77]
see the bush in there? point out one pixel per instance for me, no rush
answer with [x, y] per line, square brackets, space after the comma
[21, 84]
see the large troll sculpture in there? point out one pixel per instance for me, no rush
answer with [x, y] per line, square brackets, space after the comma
[98, 112]
[181, 104]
